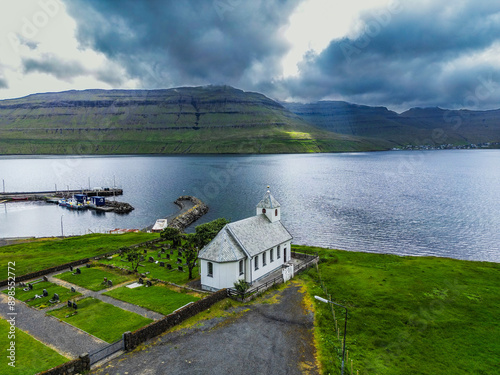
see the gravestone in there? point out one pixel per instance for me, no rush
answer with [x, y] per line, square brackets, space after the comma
[30, 286]
[163, 250]
[73, 290]
[145, 251]
[87, 265]
[179, 260]
[78, 271]
[45, 293]
[180, 268]
[169, 266]
[141, 281]
[162, 264]
[105, 280]
[151, 260]
[110, 283]
[71, 268]
[168, 256]
[56, 297]
[70, 304]
[148, 283]
[171, 252]
[74, 305]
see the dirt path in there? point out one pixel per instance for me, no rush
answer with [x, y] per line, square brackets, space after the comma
[269, 338]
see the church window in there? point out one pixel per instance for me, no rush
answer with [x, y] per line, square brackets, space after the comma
[271, 255]
[210, 267]
[276, 212]
[278, 255]
[241, 267]
[263, 259]
[263, 210]
[256, 263]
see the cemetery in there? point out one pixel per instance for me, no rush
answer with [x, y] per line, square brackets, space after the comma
[160, 260]
[93, 278]
[161, 298]
[36, 356]
[39, 293]
[100, 319]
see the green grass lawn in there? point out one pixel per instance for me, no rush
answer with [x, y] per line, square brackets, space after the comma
[29, 296]
[159, 298]
[92, 278]
[45, 253]
[101, 319]
[155, 270]
[32, 356]
[407, 315]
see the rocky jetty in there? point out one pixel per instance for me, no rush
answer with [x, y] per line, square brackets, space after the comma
[185, 219]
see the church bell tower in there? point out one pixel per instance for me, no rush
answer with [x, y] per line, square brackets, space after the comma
[269, 207]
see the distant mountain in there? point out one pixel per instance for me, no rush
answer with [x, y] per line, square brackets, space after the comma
[213, 119]
[416, 126]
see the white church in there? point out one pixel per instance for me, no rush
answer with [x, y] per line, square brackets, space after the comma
[248, 249]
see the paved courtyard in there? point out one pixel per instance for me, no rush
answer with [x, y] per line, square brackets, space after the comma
[268, 338]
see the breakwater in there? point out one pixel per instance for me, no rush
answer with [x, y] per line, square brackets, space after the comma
[183, 220]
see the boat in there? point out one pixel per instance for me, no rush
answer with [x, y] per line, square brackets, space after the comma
[159, 225]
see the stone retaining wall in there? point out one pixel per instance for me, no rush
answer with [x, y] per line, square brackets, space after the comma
[133, 339]
[77, 366]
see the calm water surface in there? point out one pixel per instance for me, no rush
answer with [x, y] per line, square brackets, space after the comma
[443, 203]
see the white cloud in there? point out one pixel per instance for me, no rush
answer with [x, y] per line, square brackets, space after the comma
[34, 29]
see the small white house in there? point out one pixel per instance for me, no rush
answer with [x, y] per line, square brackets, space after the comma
[248, 249]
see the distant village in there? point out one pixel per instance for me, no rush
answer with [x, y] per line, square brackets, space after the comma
[469, 146]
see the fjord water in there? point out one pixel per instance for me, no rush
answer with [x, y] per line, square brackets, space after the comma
[441, 203]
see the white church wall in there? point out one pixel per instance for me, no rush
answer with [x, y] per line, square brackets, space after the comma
[223, 276]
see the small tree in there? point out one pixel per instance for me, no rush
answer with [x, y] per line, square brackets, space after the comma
[172, 234]
[132, 255]
[241, 287]
[191, 250]
[206, 232]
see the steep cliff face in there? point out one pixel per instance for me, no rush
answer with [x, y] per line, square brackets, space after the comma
[213, 119]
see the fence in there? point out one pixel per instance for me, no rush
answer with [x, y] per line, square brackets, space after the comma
[253, 292]
[107, 351]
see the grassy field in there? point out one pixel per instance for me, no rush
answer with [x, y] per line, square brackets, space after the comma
[101, 319]
[45, 253]
[40, 303]
[407, 315]
[32, 356]
[92, 278]
[159, 298]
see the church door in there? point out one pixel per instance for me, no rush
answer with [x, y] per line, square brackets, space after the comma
[284, 255]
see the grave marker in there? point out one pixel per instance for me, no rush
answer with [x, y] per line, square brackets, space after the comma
[162, 264]
[169, 266]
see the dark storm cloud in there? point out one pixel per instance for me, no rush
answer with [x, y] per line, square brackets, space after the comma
[421, 54]
[166, 43]
[50, 64]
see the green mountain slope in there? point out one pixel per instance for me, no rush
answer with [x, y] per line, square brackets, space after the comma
[416, 126]
[213, 119]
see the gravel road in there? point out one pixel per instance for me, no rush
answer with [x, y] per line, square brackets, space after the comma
[269, 338]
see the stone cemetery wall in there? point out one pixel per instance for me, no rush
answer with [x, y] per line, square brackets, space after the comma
[132, 340]
[77, 366]
[37, 274]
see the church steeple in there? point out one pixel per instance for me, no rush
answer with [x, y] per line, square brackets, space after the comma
[269, 207]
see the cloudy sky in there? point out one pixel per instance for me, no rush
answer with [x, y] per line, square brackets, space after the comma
[398, 54]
